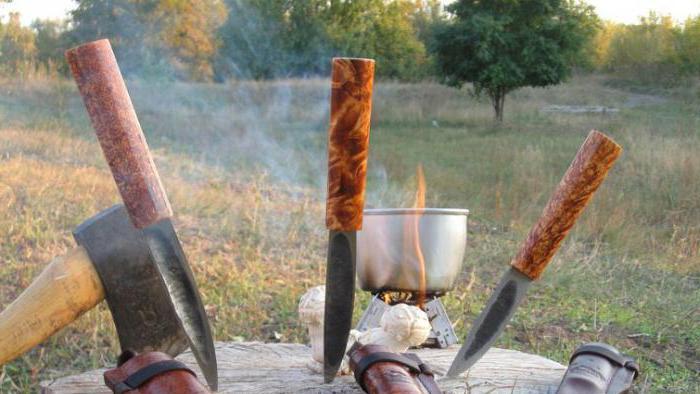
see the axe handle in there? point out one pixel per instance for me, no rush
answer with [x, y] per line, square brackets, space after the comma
[68, 287]
[348, 142]
[588, 170]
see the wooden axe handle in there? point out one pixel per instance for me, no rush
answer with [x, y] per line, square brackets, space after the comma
[348, 142]
[100, 82]
[588, 170]
[68, 287]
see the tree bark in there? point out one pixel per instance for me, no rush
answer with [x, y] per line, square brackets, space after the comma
[498, 100]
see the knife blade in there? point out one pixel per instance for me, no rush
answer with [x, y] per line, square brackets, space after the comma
[585, 174]
[348, 142]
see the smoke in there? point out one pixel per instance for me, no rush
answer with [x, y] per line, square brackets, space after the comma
[275, 128]
[255, 120]
[245, 128]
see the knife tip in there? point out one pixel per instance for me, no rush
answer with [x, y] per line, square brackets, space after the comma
[212, 378]
[456, 370]
[328, 376]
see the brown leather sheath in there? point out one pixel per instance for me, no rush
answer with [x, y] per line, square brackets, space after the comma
[379, 371]
[152, 373]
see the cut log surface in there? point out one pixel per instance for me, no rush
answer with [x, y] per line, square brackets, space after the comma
[254, 367]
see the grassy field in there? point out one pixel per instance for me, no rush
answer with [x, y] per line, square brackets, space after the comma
[244, 165]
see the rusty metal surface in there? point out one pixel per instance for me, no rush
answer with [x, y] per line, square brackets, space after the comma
[99, 80]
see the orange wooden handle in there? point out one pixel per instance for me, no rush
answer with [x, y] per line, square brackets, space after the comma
[100, 82]
[588, 170]
[348, 142]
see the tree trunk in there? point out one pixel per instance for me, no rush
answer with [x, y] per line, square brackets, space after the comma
[498, 100]
[501, 106]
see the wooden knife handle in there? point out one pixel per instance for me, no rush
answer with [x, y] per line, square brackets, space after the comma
[588, 170]
[100, 82]
[348, 142]
[68, 287]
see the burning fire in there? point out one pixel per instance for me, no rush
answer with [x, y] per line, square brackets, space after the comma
[419, 205]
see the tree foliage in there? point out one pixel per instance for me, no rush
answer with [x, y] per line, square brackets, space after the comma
[498, 45]
[689, 46]
[187, 30]
[154, 36]
[124, 22]
[290, 38]
[503, 45]
[50, 40]
[17, 46]
[271, 39]
[382, 30]
[656, 51]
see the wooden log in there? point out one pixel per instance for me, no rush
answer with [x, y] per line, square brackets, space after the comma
[254, 367]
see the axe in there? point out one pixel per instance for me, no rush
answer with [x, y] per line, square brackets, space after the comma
[128, 254]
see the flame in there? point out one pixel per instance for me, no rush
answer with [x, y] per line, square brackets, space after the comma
[419, 204]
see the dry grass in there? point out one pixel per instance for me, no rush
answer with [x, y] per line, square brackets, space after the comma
[244, 165]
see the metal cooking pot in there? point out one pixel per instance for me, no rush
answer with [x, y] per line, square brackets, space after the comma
[388, 256]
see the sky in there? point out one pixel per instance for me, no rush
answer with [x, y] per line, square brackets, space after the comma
[625, 11]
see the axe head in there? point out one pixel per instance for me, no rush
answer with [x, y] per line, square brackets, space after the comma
[144, 311]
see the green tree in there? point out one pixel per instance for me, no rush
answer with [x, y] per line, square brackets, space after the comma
[125, 23]
[252, 40]
[383, 30]
[503, 45]
[50, 41]
[265, 39]
[187, 28]
[647, 52]
[153, 36]
[690, 45]
[17, 48]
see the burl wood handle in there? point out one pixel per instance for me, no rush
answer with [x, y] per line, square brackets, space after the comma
[68, 287]
[588, 170]
[348, 142]
[100, 82]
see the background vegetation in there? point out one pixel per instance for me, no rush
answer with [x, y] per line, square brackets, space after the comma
[248, 39]
[236, 119]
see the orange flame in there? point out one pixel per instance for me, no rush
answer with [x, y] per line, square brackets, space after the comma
[419, 203]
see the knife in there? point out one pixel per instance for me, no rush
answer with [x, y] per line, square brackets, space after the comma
[588, 170]
[348, 142]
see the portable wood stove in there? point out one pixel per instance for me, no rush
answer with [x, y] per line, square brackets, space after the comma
[404, 254]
